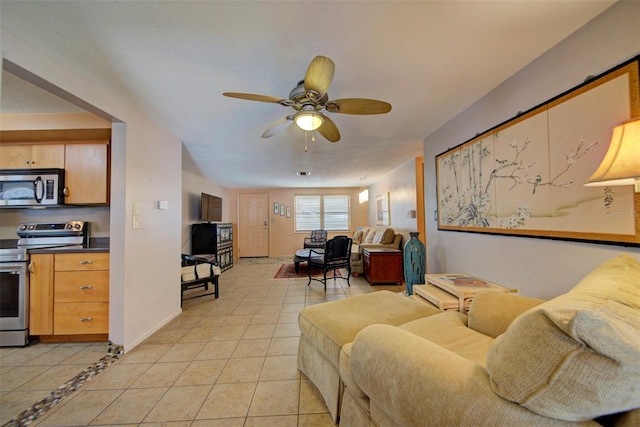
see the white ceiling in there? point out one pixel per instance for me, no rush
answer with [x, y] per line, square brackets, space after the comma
[173, 60]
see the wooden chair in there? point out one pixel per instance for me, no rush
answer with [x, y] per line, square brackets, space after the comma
[337, 254]
[198, 273]
[317, 240]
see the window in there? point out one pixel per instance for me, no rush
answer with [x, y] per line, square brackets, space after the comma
[327, 212]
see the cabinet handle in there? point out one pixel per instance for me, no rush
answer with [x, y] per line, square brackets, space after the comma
[86, 287]
[31, 268]
[86, 319]
[86, 261]
[65, 191]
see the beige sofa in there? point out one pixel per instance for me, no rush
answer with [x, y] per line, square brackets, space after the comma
[573, 360]
[372, 237]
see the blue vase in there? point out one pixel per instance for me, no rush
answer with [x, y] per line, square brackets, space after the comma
[414, 262]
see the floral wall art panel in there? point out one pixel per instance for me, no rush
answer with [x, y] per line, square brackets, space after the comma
[525, 176]
[518, 173]
[580, 128]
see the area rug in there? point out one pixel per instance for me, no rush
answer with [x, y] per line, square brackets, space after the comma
[287, 271]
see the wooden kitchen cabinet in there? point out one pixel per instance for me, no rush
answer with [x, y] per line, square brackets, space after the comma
[84, 154]
[41, 294]
[69, 295]
[87, 174]
[81, 294]
[37, 156]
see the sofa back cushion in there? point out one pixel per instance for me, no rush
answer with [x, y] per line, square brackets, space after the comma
[368, 238]
[577, 356]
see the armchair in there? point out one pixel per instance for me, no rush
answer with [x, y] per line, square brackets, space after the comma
[317, 240]
[337, 254]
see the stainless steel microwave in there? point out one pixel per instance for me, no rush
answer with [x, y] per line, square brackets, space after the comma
[31, 187]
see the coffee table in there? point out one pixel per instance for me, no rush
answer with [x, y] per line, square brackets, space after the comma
[302, 255]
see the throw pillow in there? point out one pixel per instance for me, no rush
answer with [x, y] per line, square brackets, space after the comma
[575, 357]
[388, 236]
[357, 237]
[377, 238]
[370, 235]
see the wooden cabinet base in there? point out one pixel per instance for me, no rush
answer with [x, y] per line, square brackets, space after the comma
[74, 338]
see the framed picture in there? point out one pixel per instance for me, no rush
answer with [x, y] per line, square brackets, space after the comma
[276, 208]
[525, 176]
[282, 210]
[382, 209]
[288, 211]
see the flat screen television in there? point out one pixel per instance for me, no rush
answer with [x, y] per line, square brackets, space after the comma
[210, 208]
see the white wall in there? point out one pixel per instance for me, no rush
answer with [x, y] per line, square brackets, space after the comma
[146, 167]
[540, 268]
[192, 185]
[401, 186]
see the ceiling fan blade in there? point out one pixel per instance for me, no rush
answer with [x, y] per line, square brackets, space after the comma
[358, 106]
[329, 130]
[277, 126]
[254, 97]
[319, 75]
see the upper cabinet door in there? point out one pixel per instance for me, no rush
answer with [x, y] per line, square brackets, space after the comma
[38, 156]
[15, 156]
[47, 156]
[87, 174]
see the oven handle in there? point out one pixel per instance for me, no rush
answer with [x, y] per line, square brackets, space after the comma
[35, 189]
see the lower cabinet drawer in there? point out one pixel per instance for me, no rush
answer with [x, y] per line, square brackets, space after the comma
[81, 286]
[81, 318]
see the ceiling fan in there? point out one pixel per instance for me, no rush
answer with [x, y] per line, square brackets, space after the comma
[311, 102]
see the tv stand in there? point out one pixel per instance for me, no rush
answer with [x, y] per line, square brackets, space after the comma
[214, 242]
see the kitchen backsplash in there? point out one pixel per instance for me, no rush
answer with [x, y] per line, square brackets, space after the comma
[97, 216]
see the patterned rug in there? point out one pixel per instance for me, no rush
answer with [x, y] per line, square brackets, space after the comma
[287, 271]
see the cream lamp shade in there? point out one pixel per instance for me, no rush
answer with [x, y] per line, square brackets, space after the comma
[308, 121]
[363, 196]
[621, 164]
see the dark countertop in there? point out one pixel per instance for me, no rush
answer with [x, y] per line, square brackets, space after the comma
[97, 244]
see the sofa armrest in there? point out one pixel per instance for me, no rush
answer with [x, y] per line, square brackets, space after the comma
[492, 312]
[415, 382]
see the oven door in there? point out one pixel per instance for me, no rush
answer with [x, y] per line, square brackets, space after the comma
[14, 303]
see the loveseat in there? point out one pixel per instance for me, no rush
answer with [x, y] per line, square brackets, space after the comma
[372, 237]
[572, 360]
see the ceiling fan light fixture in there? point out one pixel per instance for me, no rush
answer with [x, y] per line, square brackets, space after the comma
[308, 120]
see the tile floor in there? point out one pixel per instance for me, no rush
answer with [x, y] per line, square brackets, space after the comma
[226, 362]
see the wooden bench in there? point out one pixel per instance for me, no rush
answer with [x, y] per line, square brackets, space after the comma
[198, 273]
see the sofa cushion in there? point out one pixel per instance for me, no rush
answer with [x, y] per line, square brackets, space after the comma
[449, 330]
[329, 326]
[369, 236]
[577, 356]
[203, 270]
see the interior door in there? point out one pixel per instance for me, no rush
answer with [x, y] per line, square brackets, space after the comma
[253, 225]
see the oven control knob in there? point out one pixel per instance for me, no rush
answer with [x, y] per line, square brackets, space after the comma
[23, 226]
[67, 226]
[77, 226]
[31, 227]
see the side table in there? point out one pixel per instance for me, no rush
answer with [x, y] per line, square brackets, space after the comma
[454, 291]
[382, 265]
